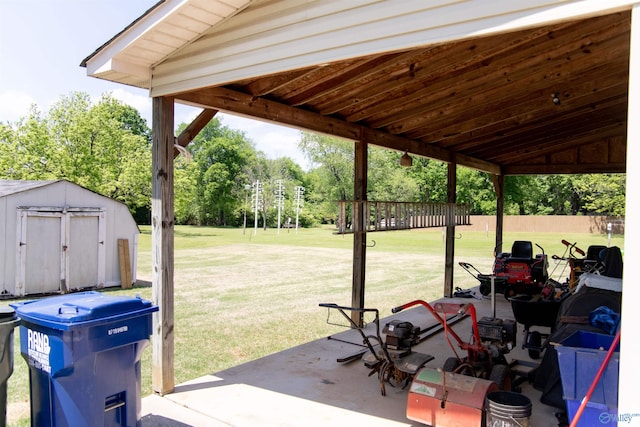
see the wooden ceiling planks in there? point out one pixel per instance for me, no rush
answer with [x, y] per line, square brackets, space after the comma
[542, 97]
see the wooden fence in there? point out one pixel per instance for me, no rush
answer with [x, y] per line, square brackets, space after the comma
[549, 224]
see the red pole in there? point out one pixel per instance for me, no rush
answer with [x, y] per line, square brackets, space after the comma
[586, 398]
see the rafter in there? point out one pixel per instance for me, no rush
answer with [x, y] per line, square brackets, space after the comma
[239, 103]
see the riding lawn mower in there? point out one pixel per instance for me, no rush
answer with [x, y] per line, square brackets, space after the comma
[515, 272]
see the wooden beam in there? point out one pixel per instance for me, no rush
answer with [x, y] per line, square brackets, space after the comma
[451, 232]
[570, 169]
[162, 228]
[498, 185]
[190, 132]
[236, 102]
[359, 229]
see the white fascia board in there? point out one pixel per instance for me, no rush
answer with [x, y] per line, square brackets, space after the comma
[458, 20]
[115, 65]
[103, 60]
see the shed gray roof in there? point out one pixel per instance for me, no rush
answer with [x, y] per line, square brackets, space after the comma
[8, 187]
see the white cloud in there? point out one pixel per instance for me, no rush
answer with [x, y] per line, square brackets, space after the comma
[140, 102]
[185, 114]
[274, 140]
[14, 105]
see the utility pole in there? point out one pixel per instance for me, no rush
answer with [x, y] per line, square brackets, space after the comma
[299, 196]
[247, 187]
[256, 202]
[279, 193]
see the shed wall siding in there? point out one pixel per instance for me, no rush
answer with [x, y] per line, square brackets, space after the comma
[275, 36]
[7, 231]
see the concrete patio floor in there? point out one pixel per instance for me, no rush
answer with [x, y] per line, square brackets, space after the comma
[306, 386]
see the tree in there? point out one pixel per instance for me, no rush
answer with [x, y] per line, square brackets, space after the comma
[516, 189]
[387, 180]
[431, 178]
[26, 150]
[122, 145]
[552, 195]
[106, 147]
[103, 147]
[601, 194]
[335, 158]
[221, 156]
[332, 178]
[186, 205]
[476, 189]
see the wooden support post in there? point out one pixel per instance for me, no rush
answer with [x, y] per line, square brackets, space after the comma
[451, 232]
[162, 228]
[342, 217]
[125, 264]
[359, 230]
[498, 185]
[367, 216]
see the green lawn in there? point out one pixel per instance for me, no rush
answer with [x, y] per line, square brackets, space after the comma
[240, 296]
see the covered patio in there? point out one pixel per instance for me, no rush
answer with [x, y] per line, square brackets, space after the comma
[530, 87]
[305, 385]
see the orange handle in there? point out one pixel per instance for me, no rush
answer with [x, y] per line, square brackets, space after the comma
[573, 246]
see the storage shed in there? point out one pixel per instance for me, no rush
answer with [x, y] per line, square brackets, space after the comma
[57, 237]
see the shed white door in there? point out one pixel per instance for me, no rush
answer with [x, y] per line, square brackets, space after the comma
[60, 251]
[84, 254]
[42, 264]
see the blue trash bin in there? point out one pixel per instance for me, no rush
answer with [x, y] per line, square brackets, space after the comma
[83, 352]
[580, 356]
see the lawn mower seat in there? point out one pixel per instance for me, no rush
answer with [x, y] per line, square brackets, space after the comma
[593, 260]
[521, 251]
[613, 262]
[593, 252]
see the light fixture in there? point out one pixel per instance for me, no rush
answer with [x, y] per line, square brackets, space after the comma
[406, 160]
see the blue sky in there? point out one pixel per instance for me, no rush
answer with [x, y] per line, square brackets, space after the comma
[42, 43]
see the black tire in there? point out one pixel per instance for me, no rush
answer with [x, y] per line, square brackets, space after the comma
[451, 364]
[534, 344]
[485, 289]
[509, 292]
[501, 375]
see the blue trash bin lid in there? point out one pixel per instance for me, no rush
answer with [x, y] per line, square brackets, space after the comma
[81, 309]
